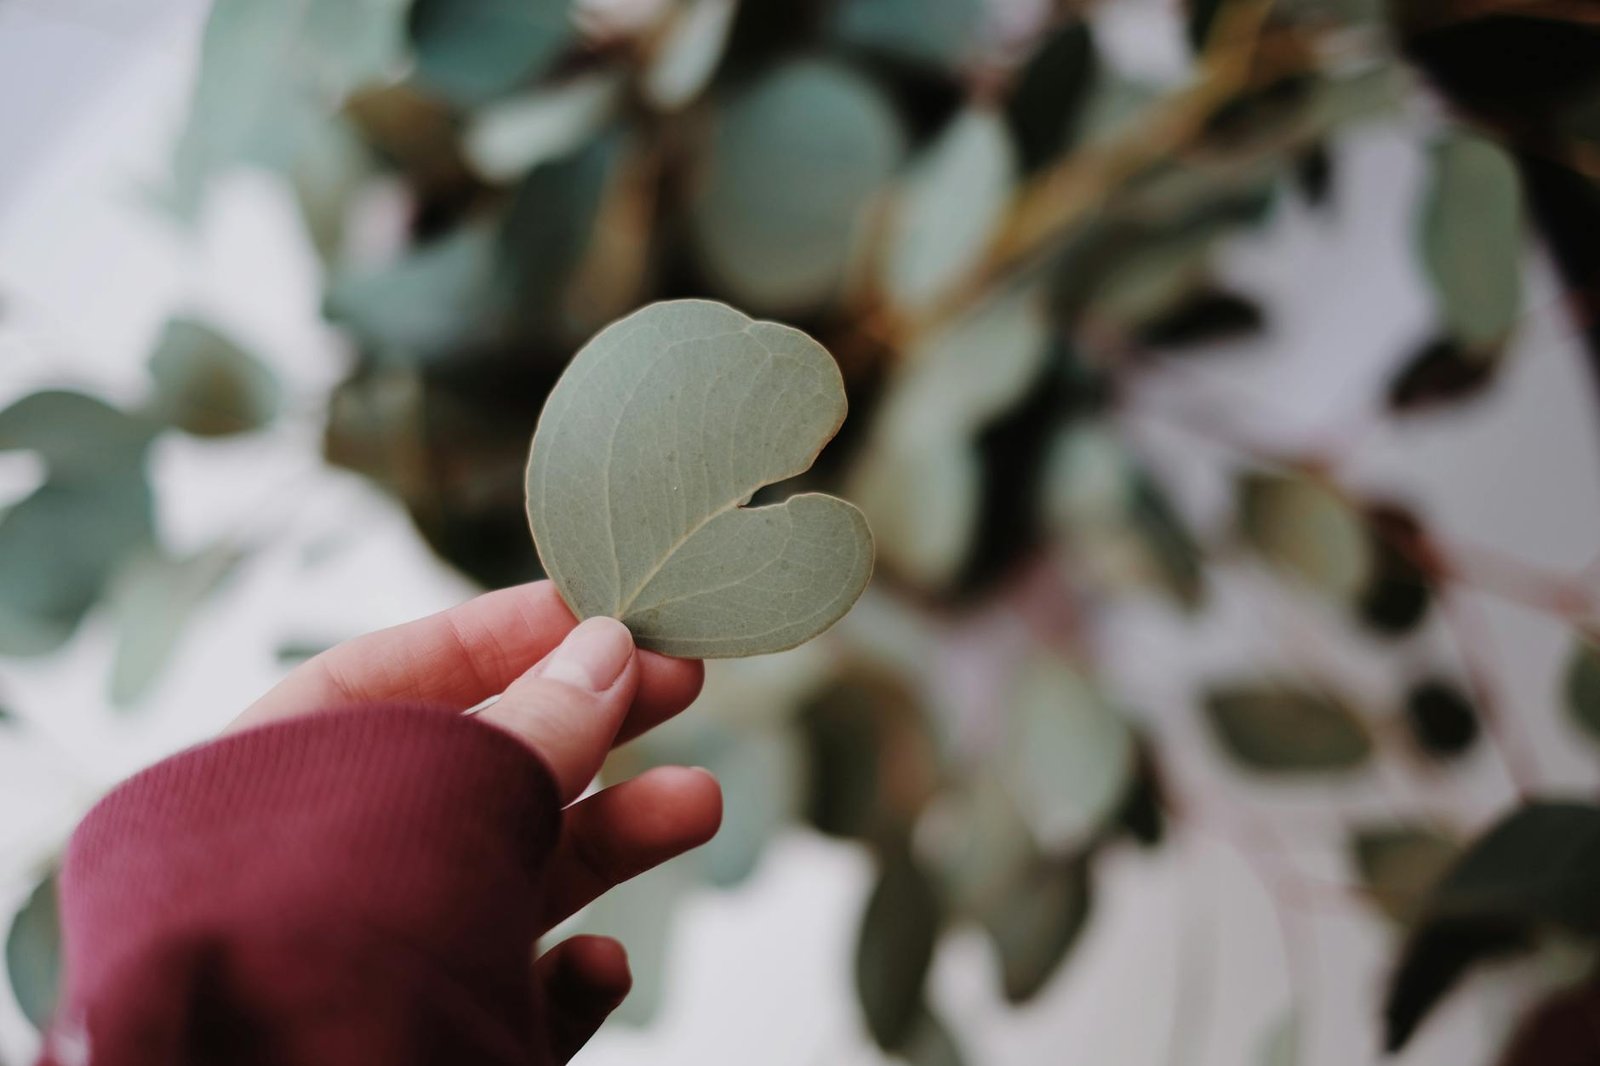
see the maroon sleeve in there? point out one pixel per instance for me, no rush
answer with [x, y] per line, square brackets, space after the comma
[352, 887]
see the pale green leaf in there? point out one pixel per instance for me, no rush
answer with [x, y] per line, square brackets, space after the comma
[1306, 529]
[33, 953]
[422, 305]
[1280, 728]
[1472, 238]
[472, 50]
[508, 138]
[949, 207]
[153, 599]
[688, 56]
[207, 385]
[796, 161]
[918, 479]
[662, 427]
[1071, 754]
[78, 437]
[640, 913]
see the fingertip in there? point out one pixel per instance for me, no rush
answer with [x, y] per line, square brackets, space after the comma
[694, 794]
[600, 963]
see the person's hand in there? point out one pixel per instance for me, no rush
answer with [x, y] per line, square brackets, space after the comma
[570, 692]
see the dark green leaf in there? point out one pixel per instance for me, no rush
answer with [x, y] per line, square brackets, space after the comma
[931, 1044]
[1206, 316]
[1538, 868]
[1046, 105]
[1280, 728]
[1440, 373]
[1398, 591]
[471, 50]
[895, 949]
[1442, 719]
[869, 755]
[1583, 686]
[1174, 554]
[1400, 866]
[796, 159]
[1035, 923]
[33, 953]
[207, 385]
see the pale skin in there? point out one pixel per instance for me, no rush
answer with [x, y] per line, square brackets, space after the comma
[570, 706]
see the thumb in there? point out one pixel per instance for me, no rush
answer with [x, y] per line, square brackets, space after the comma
[569, 706]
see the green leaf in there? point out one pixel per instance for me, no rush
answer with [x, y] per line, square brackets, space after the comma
[33, 953]
[78, 437]
[1036, 922]
[950, 205]
[153, 599]
[1472, 239]
[509, 138]
[1441, 373]
[1583, 687]
[895, 949]
[931, 1044]
[796, 161]
[60, 546]
[1306, 529]
[1070, 753]
[472, 50]
[1279, 728]
[1046, 108]
[939, 33]
[662, 427]
[919, 480]
[1538, 868]
[207, 385]
[433, 300]
[1400, 866]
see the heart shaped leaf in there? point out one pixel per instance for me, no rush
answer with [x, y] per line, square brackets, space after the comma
[662, 427]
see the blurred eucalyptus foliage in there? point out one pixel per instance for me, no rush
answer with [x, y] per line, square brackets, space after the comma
[995, 230]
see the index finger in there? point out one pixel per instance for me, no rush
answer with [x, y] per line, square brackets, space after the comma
[460, 657]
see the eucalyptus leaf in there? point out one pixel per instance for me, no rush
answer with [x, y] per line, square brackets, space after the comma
[1306, 529]
[78, 437]
[60, 545]
[207, 385]
[895, 949]
[919, 480]
[1472, 238]
[1280, 728]
[511, 136]
[937, 32]
[33, 953]
[420, 307]
[1582, 687]
[660, 430]
[949, 207]
[796, 161]
[1047, 106]
[153, 598]
[640, 913]
[1036, 922]
[688, 57]
[1070, 753]
[473, 50]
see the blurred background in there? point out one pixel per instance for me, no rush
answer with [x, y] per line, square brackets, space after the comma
[1222, 386]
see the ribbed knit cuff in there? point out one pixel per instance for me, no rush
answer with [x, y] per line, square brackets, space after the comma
[340, 872]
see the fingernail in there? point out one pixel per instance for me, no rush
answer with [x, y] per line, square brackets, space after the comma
[592, 657]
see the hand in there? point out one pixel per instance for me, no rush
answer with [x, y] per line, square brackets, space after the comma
[570, 692]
